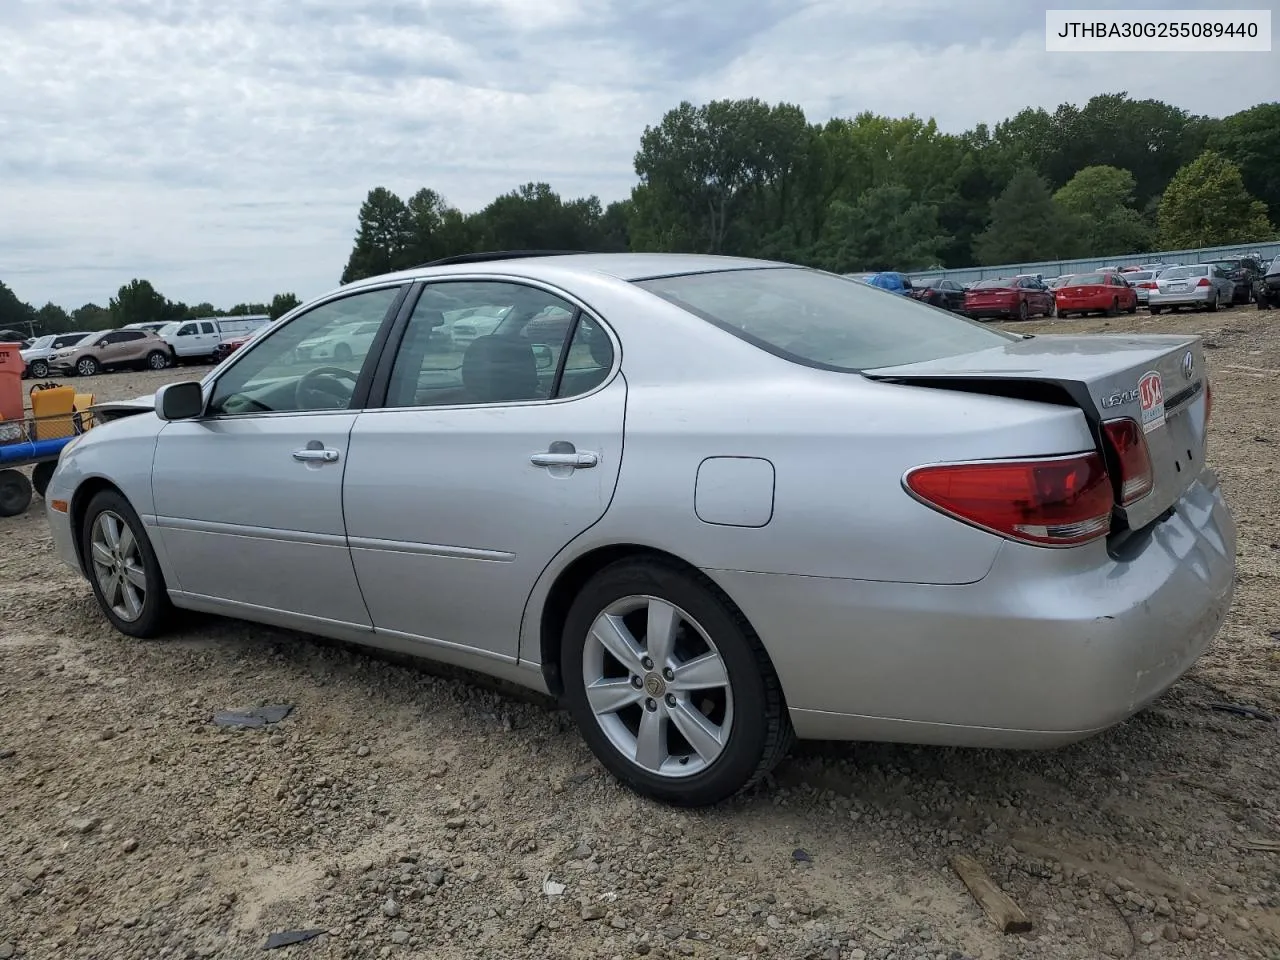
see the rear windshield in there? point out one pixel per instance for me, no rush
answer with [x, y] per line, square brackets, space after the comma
[1088, 279]
[823, 320]
[1181, 273]
[992, 285]
[1226, 264]
[1138, 275]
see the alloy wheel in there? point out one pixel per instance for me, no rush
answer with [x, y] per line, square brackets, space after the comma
[657, 686]
[118, 566]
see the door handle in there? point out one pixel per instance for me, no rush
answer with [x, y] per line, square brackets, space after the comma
[320, 455]
[579, 461]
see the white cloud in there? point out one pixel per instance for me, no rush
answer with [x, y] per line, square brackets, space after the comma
[222, 149]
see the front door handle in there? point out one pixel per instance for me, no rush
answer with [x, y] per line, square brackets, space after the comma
[320, 455]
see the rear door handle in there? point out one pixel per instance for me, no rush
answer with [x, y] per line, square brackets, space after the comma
[320, 455]
[579, 461]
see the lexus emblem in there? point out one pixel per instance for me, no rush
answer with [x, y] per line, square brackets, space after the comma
[1188, 365]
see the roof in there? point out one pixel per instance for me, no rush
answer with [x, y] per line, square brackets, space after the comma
[621, 266]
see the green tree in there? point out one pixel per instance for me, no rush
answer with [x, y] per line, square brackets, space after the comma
[1096, 204]
[384, 237]
[534, 217]
[14, 313]
[90, 317]
[51, 318]
[282, 303]
[138, 302]
[1251, 140]
[1025, 223]
[1206, 204]
[883, 230]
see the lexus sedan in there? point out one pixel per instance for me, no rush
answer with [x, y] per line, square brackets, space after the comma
[731, 502]
[1200, 285]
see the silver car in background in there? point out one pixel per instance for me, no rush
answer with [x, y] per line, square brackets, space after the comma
[724, 503]
[1199, 285]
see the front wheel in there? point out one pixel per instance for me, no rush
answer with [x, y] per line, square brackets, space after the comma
[1023, 311]
[122, 567]
[38, 369]
[670, 686]
[87, 366]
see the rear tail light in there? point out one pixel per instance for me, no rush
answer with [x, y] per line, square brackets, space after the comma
[1130, 447]
[1147, 285]
[1202, 282]
[1059, 502]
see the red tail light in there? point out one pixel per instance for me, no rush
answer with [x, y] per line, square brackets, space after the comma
[1059, 502]
[1130, 446]
[1147, 285]
[1202, 282]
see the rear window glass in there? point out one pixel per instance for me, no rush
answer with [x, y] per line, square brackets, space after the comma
[1088, 279]
[1181, 273]
[992, 285]
[823, 320]
[1138, 275]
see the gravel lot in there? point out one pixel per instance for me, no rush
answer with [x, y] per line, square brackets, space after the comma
[413, 813]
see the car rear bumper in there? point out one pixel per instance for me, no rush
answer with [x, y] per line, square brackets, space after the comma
[1083, 304]
[1190, 298]
[1050, 647]
[992, 310]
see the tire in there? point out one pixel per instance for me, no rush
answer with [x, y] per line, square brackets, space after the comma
[39, 369]
[154, 610]
[1212, 306]
[1154, 311]
[1133, 309]
[87, 367]
[157, 360]
[41, 474]
[1023, 311]
[15, 493]
[1113, 310]
[749, 702]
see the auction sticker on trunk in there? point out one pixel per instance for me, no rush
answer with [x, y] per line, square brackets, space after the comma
[1151, 391]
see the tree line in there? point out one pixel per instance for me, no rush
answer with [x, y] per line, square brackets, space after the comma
[870, 192]
[135, 302]
[747, 178]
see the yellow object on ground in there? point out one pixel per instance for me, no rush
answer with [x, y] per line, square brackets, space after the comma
[51, 412]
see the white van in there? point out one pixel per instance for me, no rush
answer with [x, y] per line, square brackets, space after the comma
[198, 339]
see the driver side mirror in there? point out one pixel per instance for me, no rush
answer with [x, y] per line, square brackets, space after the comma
[544, 356]
[180, 401]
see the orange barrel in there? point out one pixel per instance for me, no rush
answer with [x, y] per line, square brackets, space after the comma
[11, 367]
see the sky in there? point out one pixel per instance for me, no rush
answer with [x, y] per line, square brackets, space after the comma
[221, 148]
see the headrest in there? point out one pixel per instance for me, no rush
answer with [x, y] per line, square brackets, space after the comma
[499, 369]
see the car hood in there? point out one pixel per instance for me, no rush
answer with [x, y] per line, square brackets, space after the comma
[116, 409]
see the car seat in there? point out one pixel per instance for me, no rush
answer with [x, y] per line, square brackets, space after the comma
[499, 370]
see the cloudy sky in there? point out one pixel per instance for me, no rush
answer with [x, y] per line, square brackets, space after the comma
[221, 148]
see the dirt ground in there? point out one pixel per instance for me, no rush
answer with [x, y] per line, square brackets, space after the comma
[412, 813]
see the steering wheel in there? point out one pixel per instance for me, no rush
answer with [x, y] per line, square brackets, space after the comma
[321, 388]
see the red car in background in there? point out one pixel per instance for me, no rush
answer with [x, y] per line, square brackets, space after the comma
[1014, 299]
[1103, 291]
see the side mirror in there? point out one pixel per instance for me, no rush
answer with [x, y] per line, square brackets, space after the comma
[544, 356]
[180, 401]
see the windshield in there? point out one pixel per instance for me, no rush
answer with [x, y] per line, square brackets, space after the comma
[42, 342]
[168, 329]
[1181, 273]
[1226, 264]
[823, 320]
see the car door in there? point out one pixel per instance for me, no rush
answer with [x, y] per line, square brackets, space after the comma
[208, 337]
[248, 496]
[481, 464]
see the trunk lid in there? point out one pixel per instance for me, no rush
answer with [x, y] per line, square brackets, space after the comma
[1158, 380]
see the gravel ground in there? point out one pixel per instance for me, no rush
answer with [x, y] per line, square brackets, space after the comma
[411, 812]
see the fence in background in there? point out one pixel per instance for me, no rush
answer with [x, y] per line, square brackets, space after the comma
[1265, 252]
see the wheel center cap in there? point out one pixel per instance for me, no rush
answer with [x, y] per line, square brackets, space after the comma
[654, 685]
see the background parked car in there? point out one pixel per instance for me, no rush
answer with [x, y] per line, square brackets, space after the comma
[1143, 282]
[892, 281]
[1011, 298]
[1267, 290]
[1243, 272]
[112, 350]
[938, 292]
[1099, 292]
[341, 344]
[37, 356]
[1198, 285]
[197, 340]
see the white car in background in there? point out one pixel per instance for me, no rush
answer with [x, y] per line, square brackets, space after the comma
[37, 356]
[468, 325]
[1199, 285]
[340, 345]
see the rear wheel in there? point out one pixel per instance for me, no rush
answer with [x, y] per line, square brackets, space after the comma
[122, 567]
[15, 493]
[670, 686]
[1213, 303]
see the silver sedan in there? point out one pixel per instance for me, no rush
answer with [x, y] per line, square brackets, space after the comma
[1199, 285]
[728, 503]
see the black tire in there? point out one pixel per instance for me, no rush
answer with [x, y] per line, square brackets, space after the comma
[157, 611]
[761, 733]
[157, 360]
[87, 367]
[1113, 310]
[41, 474]
[38, 369]
[1023, 310]
[1133, 309]
[1154, 311]
[1212, 306]
[15, 493]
